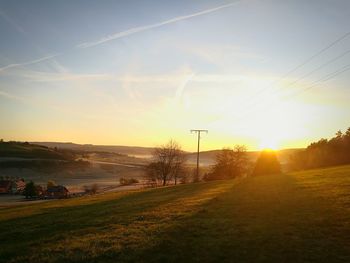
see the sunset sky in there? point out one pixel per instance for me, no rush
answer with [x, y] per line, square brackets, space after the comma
[141, 72]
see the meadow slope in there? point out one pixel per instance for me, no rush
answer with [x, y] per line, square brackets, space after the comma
[297, 217]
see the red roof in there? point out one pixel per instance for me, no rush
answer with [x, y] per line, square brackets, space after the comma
[5, 183]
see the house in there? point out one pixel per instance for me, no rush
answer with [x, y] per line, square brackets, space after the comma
[18, 186]
[57, 191]
[12, 186]
[5, 186]
[39, 190]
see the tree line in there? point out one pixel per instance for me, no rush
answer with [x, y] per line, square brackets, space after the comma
[168, 165]
[323, 153]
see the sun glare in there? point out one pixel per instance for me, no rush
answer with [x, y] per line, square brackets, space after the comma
[269, 144]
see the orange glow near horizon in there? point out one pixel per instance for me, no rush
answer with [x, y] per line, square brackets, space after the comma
[155, 77]
[228, 111]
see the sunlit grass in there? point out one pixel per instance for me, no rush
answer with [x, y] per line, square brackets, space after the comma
[94, 227]
[332, 184]
[299, 217]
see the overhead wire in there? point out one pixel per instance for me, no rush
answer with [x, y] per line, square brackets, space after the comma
[318, 53]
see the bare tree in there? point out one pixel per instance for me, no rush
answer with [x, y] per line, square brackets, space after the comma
[167, 165]
[229, 163]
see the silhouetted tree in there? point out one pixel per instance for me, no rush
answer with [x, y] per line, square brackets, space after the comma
[229, 164]
[168, 163]
[30, 190]
[267, 163]
[323, 153]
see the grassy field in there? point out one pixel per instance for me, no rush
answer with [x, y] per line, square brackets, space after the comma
[27, 150]
[298, 217]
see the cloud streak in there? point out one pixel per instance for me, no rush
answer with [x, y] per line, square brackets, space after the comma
[121, 35]
[42, 104]
[148, 27]
[11, 96]
[31, 62]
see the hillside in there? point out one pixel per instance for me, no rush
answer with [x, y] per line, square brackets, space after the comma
[297, 217]
[32, 151]
[127, 150]
[206, 157]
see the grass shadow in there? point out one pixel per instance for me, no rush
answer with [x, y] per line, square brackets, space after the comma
[52, 225]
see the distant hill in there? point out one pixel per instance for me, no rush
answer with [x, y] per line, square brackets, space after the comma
[127, 150]
[206, 157]
[31, 151]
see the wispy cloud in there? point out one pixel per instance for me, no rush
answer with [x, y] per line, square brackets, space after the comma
[15, 65]
[148, 27]
[11, 96]
[218, 54]
[11, 21]
[116, 35]
[47, 105]
[177, 77]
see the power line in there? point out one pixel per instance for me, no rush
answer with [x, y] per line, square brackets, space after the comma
[323, 79]
[317, 69]
[320, 67]
[329, 76]
[318, 53]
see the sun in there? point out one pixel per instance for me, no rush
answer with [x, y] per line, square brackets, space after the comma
[269, 144]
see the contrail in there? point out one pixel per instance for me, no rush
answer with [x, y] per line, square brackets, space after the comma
[123, 34]
[148, 27]
[28, 62]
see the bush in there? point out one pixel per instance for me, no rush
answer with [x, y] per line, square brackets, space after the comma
[267, 163]
[230, 163]
[92, 189]
[126, 181]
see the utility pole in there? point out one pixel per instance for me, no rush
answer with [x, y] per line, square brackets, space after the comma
[199, 138]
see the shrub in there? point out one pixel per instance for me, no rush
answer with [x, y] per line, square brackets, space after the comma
[92, 189]
[267, 163]
[126, 181]
[230, 163]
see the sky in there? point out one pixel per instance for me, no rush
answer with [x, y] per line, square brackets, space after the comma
[264, 73]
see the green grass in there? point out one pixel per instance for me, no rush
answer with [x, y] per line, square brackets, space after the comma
[298, 217]
[27, 150]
